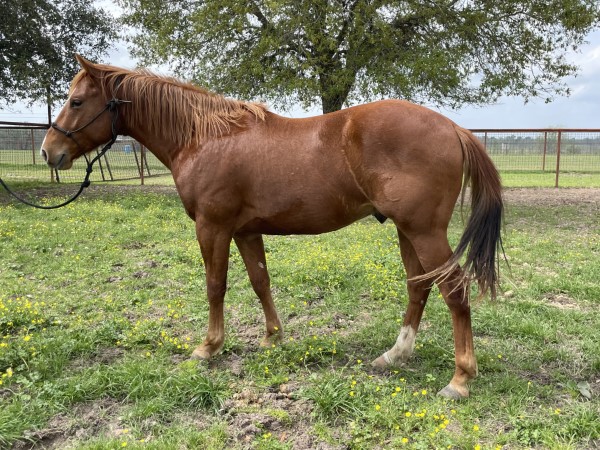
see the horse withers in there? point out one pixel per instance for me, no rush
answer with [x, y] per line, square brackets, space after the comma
[242, 171]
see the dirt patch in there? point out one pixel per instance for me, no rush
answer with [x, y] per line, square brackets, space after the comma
[279, 416]
[103, 356]
[85, 420]
[561, 301]
[552, 196]
[512, 196]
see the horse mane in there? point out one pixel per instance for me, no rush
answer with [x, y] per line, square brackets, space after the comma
[179, 111]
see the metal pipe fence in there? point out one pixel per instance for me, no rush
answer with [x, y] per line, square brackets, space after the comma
[553, 151]
[20, 149]
[535, 151]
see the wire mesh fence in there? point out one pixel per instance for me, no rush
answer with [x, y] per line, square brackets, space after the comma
[547, 152]
[20, 149]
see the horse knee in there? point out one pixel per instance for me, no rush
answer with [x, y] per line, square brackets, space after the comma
[215, 288]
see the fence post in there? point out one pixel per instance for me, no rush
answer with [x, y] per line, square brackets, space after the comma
[558, 158]
[545, 147]
[32, 146]
[100, 166]
[143, 158]
[146, 162]
[137, 160]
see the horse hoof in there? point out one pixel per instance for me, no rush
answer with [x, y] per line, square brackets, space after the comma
[200, 354]
[272, 340]
[380, 363]
[454, 393]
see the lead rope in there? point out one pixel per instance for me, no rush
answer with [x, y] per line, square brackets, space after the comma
[111, 106]
[85, 183]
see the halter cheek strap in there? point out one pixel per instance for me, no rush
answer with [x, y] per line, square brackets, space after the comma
[111, 106]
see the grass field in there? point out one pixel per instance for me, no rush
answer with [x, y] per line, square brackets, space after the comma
[101, 303]
[535, 163]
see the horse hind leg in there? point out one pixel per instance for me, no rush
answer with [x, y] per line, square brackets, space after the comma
[433, 251]
[253, 253]
[418, 292]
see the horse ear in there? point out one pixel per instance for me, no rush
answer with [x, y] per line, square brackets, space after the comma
[88, 66]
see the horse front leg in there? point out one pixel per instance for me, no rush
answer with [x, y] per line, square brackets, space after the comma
[253, 253]
[214, 245]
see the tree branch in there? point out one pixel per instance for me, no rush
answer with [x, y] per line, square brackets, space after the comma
[256, 12]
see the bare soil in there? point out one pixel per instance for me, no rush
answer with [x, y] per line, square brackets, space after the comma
[552, 196]
[512, 196]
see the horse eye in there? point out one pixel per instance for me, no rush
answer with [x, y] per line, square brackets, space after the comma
[75, 103]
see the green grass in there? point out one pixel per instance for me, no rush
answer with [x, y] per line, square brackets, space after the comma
[535, 162]
[539, 179]
[101, 303]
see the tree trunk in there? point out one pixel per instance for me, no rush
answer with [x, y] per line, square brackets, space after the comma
[49, 102]
[334, 93]
[331, 103]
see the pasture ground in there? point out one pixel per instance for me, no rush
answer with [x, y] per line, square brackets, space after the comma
[101, 303]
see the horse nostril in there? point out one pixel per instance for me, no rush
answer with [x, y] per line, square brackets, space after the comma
[44, 154]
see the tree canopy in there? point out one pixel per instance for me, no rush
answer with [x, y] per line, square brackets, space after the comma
[38, 40]
[440, 52]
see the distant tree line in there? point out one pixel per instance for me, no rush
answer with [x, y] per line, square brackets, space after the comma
[527, 145]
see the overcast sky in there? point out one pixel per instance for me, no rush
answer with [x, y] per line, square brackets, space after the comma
[580, 110]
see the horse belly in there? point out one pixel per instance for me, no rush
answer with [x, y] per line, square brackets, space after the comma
[312, 215]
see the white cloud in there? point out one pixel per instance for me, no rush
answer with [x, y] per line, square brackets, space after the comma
[580, 110]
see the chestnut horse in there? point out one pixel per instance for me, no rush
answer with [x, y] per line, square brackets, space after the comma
[242, 171]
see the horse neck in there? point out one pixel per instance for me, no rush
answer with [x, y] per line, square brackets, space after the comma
[163, 149]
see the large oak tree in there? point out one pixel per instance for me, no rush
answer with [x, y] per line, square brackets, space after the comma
[38, 40]
[441, 52]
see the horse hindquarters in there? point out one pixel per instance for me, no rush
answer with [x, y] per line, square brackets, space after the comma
[425, 230]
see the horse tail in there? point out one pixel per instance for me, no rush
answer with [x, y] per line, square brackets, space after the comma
[481, 241]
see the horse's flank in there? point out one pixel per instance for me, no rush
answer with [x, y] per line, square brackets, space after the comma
[180, 112]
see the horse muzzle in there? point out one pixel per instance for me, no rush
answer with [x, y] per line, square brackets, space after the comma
[60, 160]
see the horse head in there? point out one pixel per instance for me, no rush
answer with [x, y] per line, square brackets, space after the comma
[86, 121]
